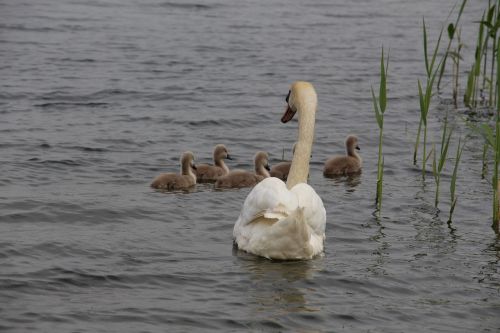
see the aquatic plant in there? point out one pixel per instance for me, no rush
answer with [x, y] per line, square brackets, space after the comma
[379, 106]
[491, 22]
[492, 139]
[484, 168]
[495, 224]
[453, 182]
[493, 27]
[471, 93]
[455, 54]
[438, 164]
[425, 96]
[488, 31]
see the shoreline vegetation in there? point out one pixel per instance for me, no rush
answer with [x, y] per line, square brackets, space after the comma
[481, 96]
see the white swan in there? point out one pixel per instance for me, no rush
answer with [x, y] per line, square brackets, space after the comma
[281, 221]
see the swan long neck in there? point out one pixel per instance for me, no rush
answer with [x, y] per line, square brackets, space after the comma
[187, 170]
[355, 155]
[358, 157]
[220, 163]
[299, 170]
[351, 151]
[262, 171]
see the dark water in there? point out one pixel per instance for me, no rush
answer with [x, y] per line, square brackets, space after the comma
[98, 97]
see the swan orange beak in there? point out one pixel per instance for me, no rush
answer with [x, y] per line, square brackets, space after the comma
[289, 113]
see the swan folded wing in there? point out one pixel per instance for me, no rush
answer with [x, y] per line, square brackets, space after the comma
[261, 219]
[270, 216]
[270, 198]
[279, 212]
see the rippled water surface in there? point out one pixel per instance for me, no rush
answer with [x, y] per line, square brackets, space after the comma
[98, 97]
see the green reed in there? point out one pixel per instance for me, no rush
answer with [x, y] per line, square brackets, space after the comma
[379, 106]
[453, 183]
[492, 139]
[492, 24]
[489, 26]
[455, 57]
[425, 96]
[471, 93]
[482, 88]
[438, 164]
[495, 224]
[481, 79]
[484, 168]
[483, 67]
[452, 32]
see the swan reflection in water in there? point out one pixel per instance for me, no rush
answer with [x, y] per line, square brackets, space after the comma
[278, 287]
[350, 182]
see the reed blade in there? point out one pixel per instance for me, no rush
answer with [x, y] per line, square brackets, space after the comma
[383, 91]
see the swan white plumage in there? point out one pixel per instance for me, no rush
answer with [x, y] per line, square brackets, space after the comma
[286, 221]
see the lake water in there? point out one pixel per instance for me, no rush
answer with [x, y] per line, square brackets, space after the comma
[99, 97]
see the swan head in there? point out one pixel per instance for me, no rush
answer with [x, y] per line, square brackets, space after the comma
[221, 153]
[300, 95]
[351, 143]
[187, 162]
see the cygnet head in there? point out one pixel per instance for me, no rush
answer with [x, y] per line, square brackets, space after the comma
[187, 163]
[261, 161]
[221, 153]
[351, 144]
[300, 95]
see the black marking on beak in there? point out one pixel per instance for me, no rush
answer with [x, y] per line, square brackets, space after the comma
[289, 113]
[229, 157]
[357, 147]
[288, 96]
[267, 167]
[193, 166]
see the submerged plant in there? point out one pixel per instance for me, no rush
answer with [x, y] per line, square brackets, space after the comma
[379, 105]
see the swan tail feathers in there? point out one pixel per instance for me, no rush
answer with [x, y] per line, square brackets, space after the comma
[301, 226]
